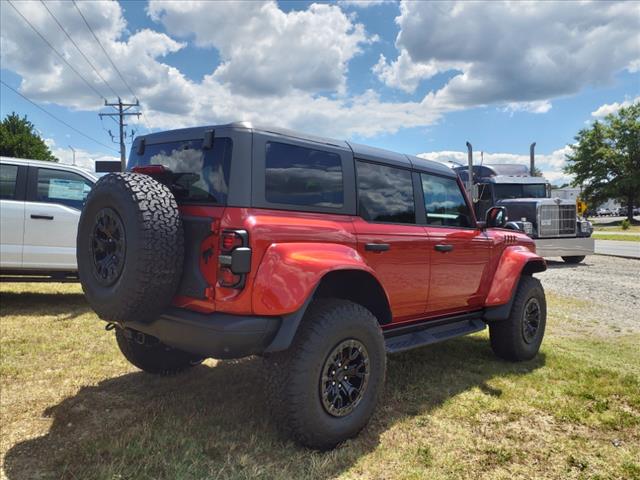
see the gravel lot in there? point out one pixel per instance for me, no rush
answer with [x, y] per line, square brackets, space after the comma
[600, 296]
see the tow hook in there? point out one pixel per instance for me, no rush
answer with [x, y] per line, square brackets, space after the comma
[110, 326]
[139, 337]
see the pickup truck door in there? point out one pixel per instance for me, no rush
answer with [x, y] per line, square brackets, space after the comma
[52, 211]
[460, 252]
[12, 187]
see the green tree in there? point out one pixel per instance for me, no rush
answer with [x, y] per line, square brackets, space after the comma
[606, 159]
[18, 138]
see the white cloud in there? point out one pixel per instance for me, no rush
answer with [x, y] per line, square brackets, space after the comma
[512, 52]
[609, 108]
[265, 51]
[538, 106]
[46, 78]
[551, 164]
[405, 74]
[289, 68]
[172, 100]
[84, 158]
[363, 3]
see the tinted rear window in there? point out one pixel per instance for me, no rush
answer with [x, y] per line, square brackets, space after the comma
[199, 175]
[385, 194]
[303, 176]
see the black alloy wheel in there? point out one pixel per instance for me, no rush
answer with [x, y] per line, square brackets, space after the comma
[531, 320]
[108, 246]
[344, 378]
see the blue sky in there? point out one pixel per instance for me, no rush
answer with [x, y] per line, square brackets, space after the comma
[420, 78]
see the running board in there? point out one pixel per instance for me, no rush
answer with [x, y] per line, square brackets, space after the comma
[433, 334]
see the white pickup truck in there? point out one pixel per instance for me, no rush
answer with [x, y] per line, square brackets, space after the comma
[40, 204]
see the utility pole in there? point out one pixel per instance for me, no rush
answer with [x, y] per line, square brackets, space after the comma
[121, 112]
[74, 155]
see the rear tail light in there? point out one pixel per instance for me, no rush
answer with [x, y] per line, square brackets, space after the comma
[235, 258]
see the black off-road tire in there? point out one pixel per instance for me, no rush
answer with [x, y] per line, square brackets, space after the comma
[573, 259]
[151, 355]
[511, 339]
[294, 376]
[148, 276]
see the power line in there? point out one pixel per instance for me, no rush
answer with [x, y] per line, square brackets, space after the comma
[78, 48]
[103, 49]
[56, 51]
[56, 118]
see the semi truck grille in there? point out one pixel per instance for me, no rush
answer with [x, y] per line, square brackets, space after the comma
[557, 221]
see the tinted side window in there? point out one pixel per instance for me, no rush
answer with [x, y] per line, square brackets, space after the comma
[444, 203]
[8, 177]
[58, 186]
[303, 176]
[385, 194]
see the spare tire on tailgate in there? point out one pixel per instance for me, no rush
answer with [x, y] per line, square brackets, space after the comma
[130, 247]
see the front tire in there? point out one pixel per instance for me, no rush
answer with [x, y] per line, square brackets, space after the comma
[152, 356]
[573, 259]
[325, 388]
[519, 337]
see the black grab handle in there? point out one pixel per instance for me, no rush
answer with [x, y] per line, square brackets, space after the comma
[377, 247]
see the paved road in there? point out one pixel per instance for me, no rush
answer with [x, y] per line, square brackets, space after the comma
[619, 248]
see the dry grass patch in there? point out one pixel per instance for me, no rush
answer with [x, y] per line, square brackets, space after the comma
[71, 407]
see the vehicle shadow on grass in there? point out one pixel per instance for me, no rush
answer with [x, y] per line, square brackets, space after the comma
[213, 421]
[36, 304]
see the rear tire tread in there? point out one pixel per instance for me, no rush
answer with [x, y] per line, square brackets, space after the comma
[159, 258]
[287, 408]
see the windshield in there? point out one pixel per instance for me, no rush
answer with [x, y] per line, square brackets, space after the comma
[198, 175]
[506, 191]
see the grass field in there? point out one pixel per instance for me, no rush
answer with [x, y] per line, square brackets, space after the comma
[71, 407]
[615, 227]
[622, 238]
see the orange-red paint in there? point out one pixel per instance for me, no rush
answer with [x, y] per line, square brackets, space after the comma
[292, 251]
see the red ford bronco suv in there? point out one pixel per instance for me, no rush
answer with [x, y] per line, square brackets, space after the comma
[320, 255]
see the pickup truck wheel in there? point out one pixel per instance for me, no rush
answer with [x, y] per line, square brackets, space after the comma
[575, 259]
[519, 337]
[130, 247]
[149, 354]
[324, 389]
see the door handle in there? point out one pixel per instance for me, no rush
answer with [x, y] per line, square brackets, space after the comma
[443, 248]
[377, 247]
[42, 217]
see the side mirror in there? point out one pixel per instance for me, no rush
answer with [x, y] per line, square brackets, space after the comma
[496, 217]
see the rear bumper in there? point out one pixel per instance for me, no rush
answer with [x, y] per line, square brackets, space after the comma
[217, 335]
[565, 247]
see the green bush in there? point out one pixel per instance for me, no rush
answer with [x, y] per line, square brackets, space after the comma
[625, 224]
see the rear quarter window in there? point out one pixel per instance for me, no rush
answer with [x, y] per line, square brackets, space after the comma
[199, 176]
[303, 176]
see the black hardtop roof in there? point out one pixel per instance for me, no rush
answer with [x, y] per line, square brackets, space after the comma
[363, 152]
